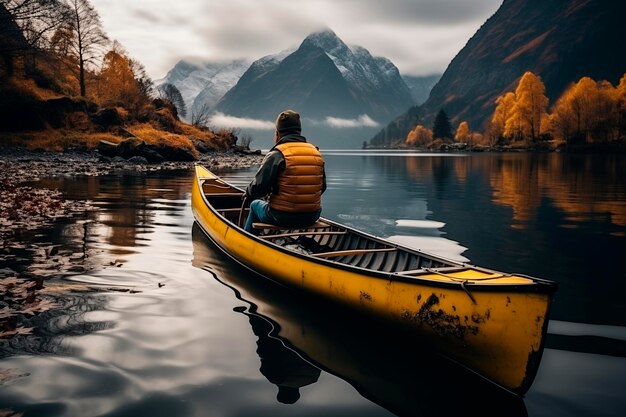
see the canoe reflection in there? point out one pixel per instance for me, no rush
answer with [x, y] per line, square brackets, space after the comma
[387, 367]
[279, 364]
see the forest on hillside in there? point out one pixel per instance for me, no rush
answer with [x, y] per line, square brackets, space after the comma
[64, 83]
[589, 113]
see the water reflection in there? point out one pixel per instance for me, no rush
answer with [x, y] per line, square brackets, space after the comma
[586, 188]
[120, 353]
[280, 365]
[389, 368]
[124, 211]
[555, 216]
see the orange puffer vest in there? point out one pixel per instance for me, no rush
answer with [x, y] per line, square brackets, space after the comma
[300, 184]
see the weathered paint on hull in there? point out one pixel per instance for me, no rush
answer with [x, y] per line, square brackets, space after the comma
[494, 332]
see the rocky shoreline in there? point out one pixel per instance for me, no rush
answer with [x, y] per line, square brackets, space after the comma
[26, 209]
[23, 165]
[23, 206]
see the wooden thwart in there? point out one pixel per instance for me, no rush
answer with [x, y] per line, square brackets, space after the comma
[316, 225]
[350, 252]
[223, 194]
[301, 234]
[429, 270]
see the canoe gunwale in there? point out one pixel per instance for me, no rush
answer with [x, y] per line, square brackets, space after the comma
[539, 286]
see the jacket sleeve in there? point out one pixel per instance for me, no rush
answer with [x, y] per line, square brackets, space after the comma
[266, 177]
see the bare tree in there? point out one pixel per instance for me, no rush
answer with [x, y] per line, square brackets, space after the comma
[245, 141]
[171, 93]
[89, 36]
[144, 82]
[24, 26]
[34, 18]
[200, 116]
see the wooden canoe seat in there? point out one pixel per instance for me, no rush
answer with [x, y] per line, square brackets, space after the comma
[232, 210]
[307, 233]
[211, 195]
[317, 225]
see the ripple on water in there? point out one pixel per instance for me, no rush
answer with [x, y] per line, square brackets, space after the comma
[439, 246]
[420, 224]
[123, 278]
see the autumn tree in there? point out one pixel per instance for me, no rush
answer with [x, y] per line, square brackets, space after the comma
[419, 136]
[442, 129]
[171, 93]
[620, 98]
[462, 132]
[504, 109]
[123, 81]
[89, 36]
[531, 105]
[116, 81]
[588, 111]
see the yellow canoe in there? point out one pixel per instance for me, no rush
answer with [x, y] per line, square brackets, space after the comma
[491, 322]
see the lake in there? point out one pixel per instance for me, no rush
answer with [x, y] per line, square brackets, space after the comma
[151, 319]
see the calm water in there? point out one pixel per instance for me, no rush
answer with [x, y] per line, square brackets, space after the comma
[199, 336]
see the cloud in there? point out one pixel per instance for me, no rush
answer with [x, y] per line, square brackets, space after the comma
[419, 36]
[223, 120]
[362, 121]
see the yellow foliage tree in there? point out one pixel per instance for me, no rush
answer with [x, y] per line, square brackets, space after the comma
[462, 132]
[531, 105]
[502, 113]
[514, 125]
[419, 136]
[620, 97]
[588, 111]
[117, 82]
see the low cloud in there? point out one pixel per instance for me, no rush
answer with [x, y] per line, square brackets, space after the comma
[362, 121]
[223, 120]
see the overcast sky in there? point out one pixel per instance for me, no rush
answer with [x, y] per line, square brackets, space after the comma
[419, 36]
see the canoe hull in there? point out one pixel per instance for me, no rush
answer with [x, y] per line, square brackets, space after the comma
[495, 331]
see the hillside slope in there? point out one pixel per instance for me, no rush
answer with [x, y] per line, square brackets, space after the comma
[559, 40]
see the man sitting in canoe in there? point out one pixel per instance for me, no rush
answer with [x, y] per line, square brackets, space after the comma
[287, 189]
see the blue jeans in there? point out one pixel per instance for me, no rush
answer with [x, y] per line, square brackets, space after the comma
[260, 211]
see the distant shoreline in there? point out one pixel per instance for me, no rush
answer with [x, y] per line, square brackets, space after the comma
[617, 147]
[20, 165]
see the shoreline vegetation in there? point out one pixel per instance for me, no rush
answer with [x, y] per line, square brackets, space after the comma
[589, 115]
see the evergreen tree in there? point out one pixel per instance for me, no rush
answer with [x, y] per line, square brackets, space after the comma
[442, 129]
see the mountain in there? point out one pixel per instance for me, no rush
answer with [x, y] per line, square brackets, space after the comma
[322, 79]
[420, 86]
[204, 82]
[559, 40]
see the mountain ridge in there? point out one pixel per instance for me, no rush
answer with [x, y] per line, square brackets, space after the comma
[370, 90]
[561, 41]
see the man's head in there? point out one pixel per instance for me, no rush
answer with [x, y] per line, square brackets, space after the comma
[288, 122]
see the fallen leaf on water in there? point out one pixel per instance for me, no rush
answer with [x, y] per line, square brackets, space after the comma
[38, 307]
[15, 332]
[5, 412]
[10, 374]
[7, 283]
[6, 312]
